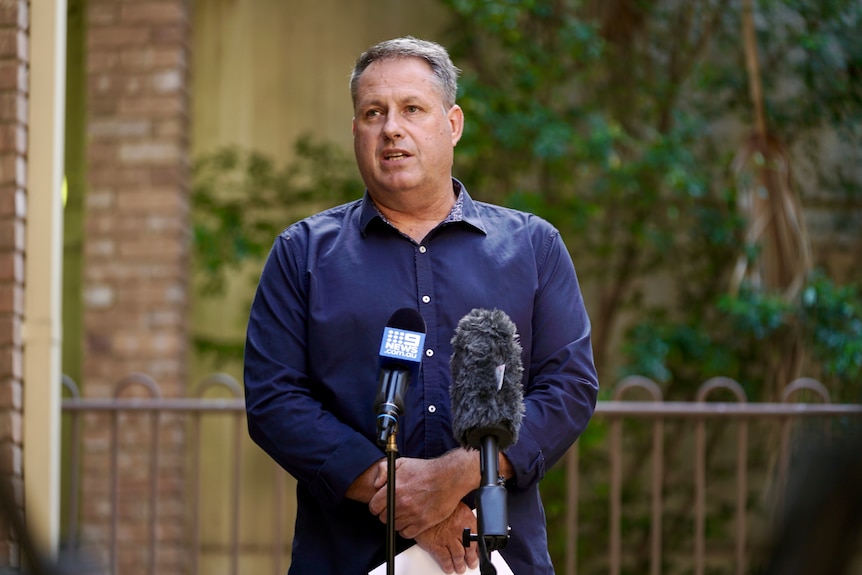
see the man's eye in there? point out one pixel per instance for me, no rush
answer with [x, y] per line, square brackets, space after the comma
[412, 109]
[372, 113]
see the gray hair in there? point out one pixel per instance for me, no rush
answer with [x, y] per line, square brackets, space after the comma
[434, 54]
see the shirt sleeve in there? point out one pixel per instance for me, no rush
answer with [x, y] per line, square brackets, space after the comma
[287, 414]
[562, 385]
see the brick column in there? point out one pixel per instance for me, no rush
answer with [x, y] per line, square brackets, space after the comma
[14, 45]
[136, 264]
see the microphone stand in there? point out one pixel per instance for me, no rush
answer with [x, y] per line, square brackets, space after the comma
[491, 507]
[391, 456]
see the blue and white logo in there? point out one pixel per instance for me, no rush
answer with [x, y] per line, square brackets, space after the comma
[402, 344]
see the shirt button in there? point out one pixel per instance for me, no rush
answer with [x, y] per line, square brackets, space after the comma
[432, 408]
[422, 249]
[429, 352]
[426, 299]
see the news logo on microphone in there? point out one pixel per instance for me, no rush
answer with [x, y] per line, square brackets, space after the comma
[400, 357]
[401, 344]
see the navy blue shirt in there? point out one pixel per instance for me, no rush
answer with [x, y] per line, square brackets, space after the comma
[328, 288]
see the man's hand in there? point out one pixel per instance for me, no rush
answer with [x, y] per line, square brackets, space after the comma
[427, 491]
[368, 483]
[444, 543]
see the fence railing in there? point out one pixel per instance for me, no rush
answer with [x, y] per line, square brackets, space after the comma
[695, 416]
[223, 525]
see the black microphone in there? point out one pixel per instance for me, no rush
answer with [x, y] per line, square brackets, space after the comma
[487, 408]
[400, 356]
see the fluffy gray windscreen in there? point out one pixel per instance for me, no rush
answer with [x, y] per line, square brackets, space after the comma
[482, 403]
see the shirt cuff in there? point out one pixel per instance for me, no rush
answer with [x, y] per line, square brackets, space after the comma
[527, 459]
[342, 467]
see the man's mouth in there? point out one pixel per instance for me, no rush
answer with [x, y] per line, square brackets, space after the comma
[395, 156]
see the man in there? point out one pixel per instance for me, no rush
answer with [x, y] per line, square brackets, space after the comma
[416, 239]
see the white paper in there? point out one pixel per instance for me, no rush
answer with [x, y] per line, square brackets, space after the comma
[417, 561]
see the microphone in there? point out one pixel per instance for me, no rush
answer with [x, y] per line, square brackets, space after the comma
[486, 392]
[400, 356]
[487, 408]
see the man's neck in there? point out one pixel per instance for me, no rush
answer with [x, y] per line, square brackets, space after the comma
[416, 215]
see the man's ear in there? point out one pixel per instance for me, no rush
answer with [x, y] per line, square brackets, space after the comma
[456, 121]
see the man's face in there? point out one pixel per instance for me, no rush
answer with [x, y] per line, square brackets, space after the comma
[403, 136]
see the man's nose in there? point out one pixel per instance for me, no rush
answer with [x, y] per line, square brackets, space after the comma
[392, 128]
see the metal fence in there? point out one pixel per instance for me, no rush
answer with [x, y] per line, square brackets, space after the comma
[236, 552]
[693, 419]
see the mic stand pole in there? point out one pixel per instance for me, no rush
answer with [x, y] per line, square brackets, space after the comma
[391, 456]
[491, 508]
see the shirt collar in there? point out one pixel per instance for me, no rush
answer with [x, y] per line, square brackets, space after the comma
[464, 210]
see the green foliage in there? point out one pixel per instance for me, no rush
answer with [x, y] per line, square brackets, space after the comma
[821, 49]
[241, 201]
[729, 336]
[833, 316]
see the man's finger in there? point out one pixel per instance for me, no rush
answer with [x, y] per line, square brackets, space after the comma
[382, 474]
[471, 556]
[377, 505]
[458, 561]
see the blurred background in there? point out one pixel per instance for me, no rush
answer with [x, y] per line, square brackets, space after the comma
[700, 158]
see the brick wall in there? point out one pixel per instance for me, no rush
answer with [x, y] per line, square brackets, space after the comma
[136, 263]
[14, 39]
